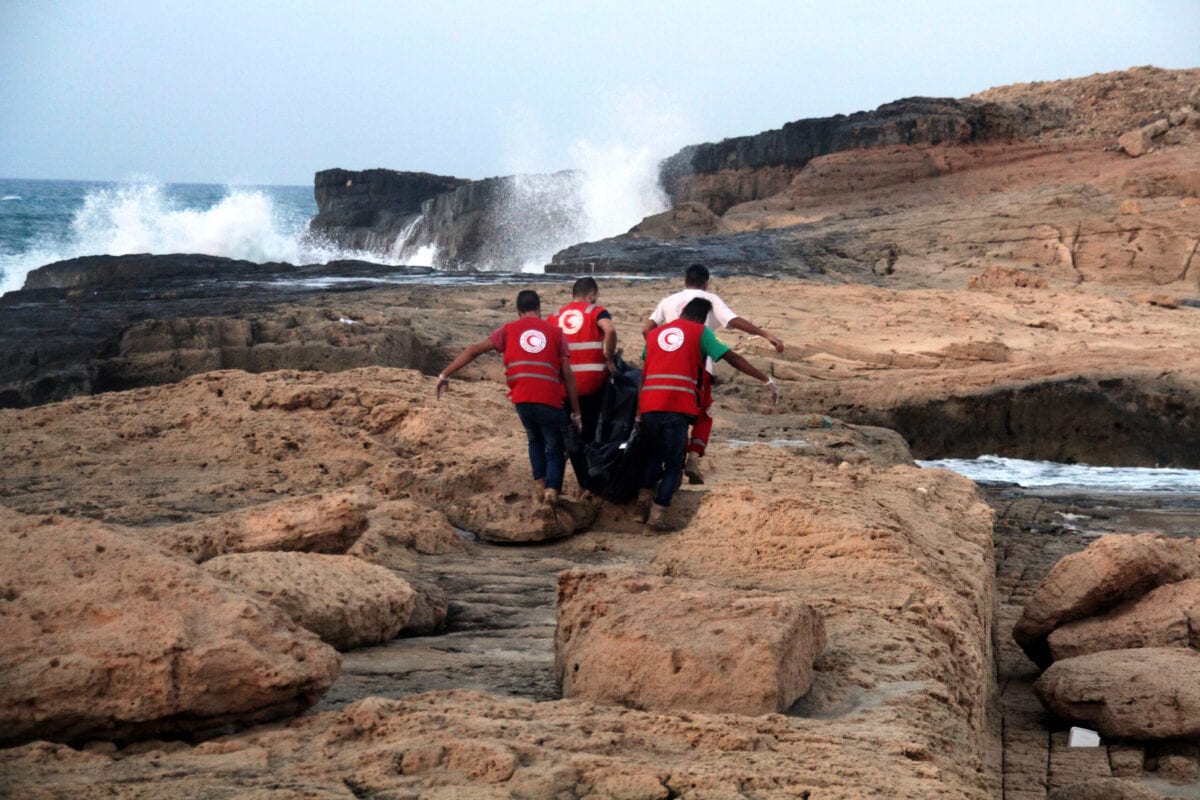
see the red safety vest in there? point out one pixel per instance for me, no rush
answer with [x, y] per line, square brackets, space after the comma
[532, 360]
[674, 363]
[579, 321]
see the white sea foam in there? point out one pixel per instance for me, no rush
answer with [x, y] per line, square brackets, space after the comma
[146, 217]
[1051, 475]
[11, 197]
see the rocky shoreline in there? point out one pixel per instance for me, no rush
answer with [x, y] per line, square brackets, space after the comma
[247, 554]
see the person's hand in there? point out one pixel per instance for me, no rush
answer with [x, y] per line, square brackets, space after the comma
[577, 422]
[776, 342]
[610, 365]
[773, 389]
[442, 383]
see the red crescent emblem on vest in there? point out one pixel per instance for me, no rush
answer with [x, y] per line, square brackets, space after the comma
[571, 321]
[533, 341]
[671, 339]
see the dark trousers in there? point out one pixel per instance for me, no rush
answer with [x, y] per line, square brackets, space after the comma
[664, 436]
[589, 415]
[545, 427]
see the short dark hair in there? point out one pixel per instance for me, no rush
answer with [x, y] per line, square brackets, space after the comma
[696, 310]
[696, 276]
[583, 286]
[528, 300]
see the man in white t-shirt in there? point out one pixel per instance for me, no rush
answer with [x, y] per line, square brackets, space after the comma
[695, 279]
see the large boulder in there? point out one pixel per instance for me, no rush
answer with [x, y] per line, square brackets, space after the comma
[107, 637]
[1168, 616]
[347, 602]
[326, 522]
[655, 643]
[1143, 693]
[1112, 569]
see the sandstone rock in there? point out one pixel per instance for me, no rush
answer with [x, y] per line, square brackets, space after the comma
[654, 643]
[417, 527]
[1178, 116]
[1145, 693]
[344, 600]
[1168, 616]
[429, 611]
[1160, 300]
[106, 637]
[1126, 760]
[327, 522]
[1104, 789]
[1132, 207]
[1177, 762]
[686, 219]
[1005, 278]
[1113, 568]
[1138, 142]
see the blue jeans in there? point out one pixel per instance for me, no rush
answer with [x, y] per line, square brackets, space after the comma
[544, 425]
[665, 437]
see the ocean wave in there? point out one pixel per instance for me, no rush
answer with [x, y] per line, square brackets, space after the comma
[242, 223]
[1051, 475]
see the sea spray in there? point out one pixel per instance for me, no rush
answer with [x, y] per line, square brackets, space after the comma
[258, 224]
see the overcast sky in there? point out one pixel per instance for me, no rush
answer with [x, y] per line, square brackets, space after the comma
[270, 92]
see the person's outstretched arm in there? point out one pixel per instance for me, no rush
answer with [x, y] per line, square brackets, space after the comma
[465, 357]
[742, 365]
[746, 326]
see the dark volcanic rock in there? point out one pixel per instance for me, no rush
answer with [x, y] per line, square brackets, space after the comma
[106, 323]
[915, 120]
[500, 223]
[833, 254]
[367, 210]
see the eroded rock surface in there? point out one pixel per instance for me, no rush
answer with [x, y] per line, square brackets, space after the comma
[344, 600]
[106, 637]
[655, 643]
[1168, 616]
[1143, 693]
[1113, 569]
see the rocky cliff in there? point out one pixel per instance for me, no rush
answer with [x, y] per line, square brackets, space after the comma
[367, 210]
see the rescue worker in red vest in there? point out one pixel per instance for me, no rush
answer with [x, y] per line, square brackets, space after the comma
[591, 342]
[539, 376]
[670, 399]
[696, 284]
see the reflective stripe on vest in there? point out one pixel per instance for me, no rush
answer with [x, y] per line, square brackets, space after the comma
[674, 364]
[580, 324]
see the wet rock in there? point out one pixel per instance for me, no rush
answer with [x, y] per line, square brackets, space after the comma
[655, 643]
[326, 522]
[1168, 616]
[1114, 568]
[344, 600]
[429, 611]
[1145, 693]
[368, 209]
[107, 638]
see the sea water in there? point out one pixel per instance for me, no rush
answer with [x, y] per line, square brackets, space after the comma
[1051, 477]
[46, 221]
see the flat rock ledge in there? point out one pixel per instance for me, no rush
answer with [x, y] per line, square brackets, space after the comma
[107, 637]
[344, 600]
[660, 644]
